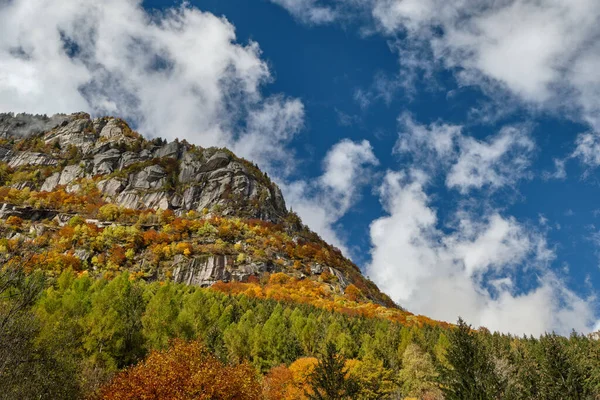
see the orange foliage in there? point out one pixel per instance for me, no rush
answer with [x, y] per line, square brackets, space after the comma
[283, 287]
[186, 371]
[117, 255]
[289, 383]
[14, 221]
[353, 293]
[279, 278]
[277, 382]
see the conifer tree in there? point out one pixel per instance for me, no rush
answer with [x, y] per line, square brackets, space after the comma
[329, 380]
[470, 373]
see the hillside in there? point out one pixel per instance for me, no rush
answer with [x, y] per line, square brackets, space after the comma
[139, 269]
[94, 196]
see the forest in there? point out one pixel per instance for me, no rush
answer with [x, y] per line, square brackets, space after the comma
[93, 306]
[76, 336]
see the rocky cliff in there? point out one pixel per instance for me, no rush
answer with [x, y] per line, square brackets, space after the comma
[94, 196]
[131, 171]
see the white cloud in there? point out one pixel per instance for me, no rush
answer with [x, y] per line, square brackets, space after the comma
[500, 160]
[345, 171]
[588, 149]
[176, 74]
[472, 270]
[543, 52]
[308, 11]
[322, 202]
[434, 143]
[539, 50]
[268, 130]
[180, 74]
[560, 171]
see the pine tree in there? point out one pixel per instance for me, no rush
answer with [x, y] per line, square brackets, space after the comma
[470, 374]
[329, 380]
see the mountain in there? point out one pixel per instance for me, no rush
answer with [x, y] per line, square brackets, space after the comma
[133, 172]
[175, 211]
[134, 268]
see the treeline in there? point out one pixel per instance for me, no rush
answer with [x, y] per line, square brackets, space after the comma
[68, 339]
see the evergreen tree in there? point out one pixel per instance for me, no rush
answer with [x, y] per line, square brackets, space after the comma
[329, 380]
[561, 378]
[114, 325]
[470, 374]
[418, 375]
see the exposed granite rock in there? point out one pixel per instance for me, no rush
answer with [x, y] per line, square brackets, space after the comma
[111, 187]
[206, 270]
[30, 158]
[77, 132]
[137, 173]
[202, 271]
[106, 162]
[9, 210]
[171, 150]
[51, 182]
[69, 174]
[151, 177]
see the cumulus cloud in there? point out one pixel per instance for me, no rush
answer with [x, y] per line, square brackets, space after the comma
[472, 269]
[322, 202]
[500, 161]
[179, 73]
[497, 161]
[308, 11]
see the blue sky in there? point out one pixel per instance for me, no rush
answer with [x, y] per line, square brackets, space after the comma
[451, 150]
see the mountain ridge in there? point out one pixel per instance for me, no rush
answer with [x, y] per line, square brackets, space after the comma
[193, 212]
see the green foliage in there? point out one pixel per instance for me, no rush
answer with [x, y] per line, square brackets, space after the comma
[471, 374]
[88, 328]
[113, 328]
[329, 380]
[29, 369]
[418, 376]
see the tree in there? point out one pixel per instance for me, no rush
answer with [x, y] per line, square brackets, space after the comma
[160, 315]
[278, 383]
[376, 382]
[329, 380]
[561, 377]
[114, 325]
[28, 369]
[470, 374]
[186, 371]
[417, 377]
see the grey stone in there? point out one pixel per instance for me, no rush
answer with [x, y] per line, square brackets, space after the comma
[69, 174]
[111, 187]
[168, 150]
[207, 177]
[201, 271]
[31, 158]
[51, 182]
[106, 162]
[78, 132]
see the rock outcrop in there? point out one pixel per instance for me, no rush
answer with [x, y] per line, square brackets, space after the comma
[134, 172]
[57, 174]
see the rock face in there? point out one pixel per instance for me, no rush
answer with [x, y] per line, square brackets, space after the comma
[134, 172]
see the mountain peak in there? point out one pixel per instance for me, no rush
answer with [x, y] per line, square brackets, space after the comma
[132, 171]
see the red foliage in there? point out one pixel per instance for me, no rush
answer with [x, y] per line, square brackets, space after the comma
[186, 371]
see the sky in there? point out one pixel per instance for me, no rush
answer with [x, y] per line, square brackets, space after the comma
[450, 149]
